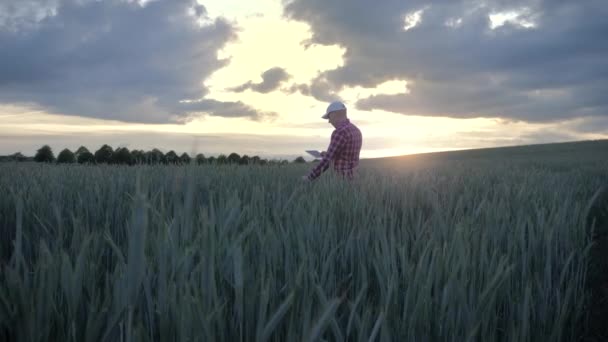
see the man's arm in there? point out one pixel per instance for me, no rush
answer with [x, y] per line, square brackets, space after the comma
[335, 145]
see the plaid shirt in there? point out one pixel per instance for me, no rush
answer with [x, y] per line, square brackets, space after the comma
[343, 150]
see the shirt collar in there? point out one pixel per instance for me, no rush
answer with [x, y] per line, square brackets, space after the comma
[343, 123]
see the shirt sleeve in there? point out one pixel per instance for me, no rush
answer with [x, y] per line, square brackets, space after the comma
[336, 144]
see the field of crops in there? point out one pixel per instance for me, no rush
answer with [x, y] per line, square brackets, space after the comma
[455, 247]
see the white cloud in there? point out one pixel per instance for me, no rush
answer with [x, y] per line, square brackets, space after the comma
[453, 22]
[412, 19]
[520, 17]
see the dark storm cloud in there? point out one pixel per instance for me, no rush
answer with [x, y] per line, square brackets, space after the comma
[112, 59]
[457, 66]
[271, 80]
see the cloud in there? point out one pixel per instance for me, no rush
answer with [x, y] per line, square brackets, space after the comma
[271, 80]
[319, 89]
[535, 61]
[227, 109]
[590, 125]
[546, 137]
[114, 59]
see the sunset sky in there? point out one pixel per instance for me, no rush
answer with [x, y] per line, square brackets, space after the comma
[254, 77]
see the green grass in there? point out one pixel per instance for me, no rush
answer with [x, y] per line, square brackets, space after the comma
[441, 247]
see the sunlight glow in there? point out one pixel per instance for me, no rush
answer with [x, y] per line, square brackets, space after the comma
[385, 134]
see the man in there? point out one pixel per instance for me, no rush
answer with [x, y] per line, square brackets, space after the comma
[344, 147]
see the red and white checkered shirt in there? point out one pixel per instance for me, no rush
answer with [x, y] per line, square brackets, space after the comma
[343, 150]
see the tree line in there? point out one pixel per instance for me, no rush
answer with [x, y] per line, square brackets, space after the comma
[123, 156]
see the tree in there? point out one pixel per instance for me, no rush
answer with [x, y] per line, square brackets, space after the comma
[184, 158]
[104, 155]
[122, 155]
[86, 158]
[66, 157]
[222, 159]
[80, 151]
[138, 156]
[299, 160]
[244, 160]
[154, 157]
[255, 160]
[45, 155]
[233, 158]
[171, 157]
[200, 159]
[18, 157]
[211, 160]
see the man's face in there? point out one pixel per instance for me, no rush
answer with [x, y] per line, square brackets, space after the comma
[333, 118]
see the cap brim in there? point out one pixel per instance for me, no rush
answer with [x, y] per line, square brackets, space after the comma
[325, 116]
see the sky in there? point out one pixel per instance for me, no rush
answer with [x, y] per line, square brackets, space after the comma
[255, 77]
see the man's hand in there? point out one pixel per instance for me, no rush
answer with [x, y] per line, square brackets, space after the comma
[305, 179]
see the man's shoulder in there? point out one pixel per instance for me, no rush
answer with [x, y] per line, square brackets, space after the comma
[346, 129]
[352, 127]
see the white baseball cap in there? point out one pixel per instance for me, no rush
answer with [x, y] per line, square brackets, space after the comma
[334, 106]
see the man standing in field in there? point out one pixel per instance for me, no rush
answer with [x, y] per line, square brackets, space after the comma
[344, 147]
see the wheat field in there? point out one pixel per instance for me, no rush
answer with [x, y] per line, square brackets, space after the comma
[451, 248]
